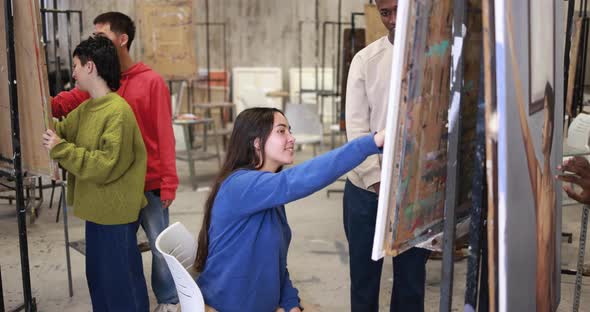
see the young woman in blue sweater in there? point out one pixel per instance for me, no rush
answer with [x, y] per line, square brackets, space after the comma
[244, 238]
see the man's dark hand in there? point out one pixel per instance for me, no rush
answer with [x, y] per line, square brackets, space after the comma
[576, 170]
[376, 187]
[166, 203]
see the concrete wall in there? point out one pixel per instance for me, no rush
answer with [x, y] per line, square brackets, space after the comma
[265, 32]
[260, 32]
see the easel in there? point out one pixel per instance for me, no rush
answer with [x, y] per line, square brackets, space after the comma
[225, 106]
[208, 79]
[208, 25]
[57, 61]
[477, 239]
[474, 292]
[319, 90]
[334, 93]
[58, 87]
[446, 291]
[2, 308]
[29, 301]
[353, 51]
[477, 265]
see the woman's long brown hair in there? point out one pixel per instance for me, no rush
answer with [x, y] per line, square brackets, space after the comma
[251, 124]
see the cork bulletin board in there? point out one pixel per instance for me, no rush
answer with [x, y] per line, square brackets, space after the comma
[168, 37]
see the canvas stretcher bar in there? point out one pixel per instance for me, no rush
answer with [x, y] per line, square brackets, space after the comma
[454, 124]
[388, 175]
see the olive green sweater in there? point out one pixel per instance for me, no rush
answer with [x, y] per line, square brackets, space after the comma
[103, 152]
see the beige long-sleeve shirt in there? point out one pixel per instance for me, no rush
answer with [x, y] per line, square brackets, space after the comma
[367, 95]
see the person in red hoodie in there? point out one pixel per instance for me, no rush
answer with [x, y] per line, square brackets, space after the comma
[149, 98]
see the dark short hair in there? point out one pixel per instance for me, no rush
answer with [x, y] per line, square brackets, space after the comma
[119, 23]
[102, 52]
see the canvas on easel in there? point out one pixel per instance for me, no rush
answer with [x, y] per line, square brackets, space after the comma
[530, 134]
[32, 89]
[413, 177]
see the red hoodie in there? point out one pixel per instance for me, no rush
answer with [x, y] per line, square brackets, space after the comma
[147, 94]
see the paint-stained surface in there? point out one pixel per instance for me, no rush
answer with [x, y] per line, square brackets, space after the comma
[422, 144]
[33, 96]
[421, 148]
[472, 56]
[167, 33]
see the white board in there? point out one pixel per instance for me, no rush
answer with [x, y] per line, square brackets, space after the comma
[250, 85]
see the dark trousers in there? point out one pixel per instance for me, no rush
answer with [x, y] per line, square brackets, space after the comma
[409, 268]
[114, 271]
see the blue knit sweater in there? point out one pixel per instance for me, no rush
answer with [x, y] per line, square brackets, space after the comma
[246, 269]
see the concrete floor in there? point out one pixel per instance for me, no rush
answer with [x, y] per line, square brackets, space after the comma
[318, 261]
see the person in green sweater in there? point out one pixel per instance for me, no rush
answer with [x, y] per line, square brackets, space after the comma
[100, 145]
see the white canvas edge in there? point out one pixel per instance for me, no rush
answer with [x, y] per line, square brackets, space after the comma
[501, 61]
[403, 16]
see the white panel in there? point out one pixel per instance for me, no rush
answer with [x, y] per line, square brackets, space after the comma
[250, 85]
[308, 80]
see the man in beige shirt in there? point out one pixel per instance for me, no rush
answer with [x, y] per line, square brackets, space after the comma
[366, 109]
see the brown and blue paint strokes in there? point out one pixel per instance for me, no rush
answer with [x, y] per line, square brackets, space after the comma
[421, 183]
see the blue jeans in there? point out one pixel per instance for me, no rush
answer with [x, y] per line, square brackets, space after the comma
[154, 219]
[409, 268]
[114, 271]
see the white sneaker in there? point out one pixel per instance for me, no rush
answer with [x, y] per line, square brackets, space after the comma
[167, 307]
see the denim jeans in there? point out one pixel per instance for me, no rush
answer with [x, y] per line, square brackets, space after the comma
[114, 271]
[409, 268]
[154, 219]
